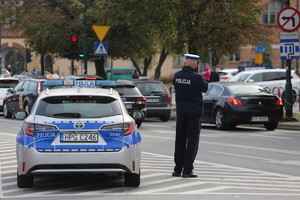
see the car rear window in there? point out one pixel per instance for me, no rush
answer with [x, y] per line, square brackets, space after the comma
[127, 90]
[8, 83]
[148, 88]
[78, 107]
[247, 89]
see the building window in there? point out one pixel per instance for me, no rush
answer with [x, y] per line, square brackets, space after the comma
[234, 57]
[271, 11]
[177, 61]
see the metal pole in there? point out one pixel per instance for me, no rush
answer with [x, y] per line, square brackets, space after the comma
[84, 39]
[72, 67]
[288, 92]
[297, 64]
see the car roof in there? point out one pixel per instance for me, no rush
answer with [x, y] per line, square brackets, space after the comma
[124, 83]
[8, 78]
[263, 70]
[40, 78]
[228, 70]
[229, 83]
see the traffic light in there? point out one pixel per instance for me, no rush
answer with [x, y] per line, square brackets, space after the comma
[73, 47]
[28, 56]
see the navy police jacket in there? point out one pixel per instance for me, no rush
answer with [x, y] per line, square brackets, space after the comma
[188, 91]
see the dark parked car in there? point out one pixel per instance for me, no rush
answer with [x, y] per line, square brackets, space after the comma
[227, 104]
[22, 97]
[132, 98]
[158, 98]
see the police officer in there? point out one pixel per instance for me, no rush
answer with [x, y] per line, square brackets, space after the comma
[189, 86]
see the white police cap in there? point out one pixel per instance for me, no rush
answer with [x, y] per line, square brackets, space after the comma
[191, 56]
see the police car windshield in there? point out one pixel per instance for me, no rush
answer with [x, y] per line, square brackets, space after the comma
[78, 107]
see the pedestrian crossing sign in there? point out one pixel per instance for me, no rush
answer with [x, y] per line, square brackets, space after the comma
[100, 48]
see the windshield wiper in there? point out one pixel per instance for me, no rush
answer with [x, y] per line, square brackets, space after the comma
[75, 115]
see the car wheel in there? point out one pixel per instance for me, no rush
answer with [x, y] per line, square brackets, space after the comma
[165, 118]
[27, 108]
[219, 119]
[132, 180]
[25, 181]
[271, 126]
[6, 112]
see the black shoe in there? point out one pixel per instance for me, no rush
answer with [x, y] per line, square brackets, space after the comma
[176, 174]
[190, 175]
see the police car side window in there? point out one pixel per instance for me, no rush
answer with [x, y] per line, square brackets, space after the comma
[214, 90]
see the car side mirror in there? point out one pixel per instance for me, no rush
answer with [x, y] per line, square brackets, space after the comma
[9, 90]
[21, 115]
[137, 115]
[250, 81]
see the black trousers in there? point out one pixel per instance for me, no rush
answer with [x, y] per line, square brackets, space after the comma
[188, 129]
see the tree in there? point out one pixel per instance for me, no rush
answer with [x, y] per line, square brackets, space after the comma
[140, 30]
[219, 26]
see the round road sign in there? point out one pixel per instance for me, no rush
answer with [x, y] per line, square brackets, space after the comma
[288, 19]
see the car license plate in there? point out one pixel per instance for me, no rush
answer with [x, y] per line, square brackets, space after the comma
[152, 100]
[79, 137]
[128, 106]
[86, 84]
[259, 119]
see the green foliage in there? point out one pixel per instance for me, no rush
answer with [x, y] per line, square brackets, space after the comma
[140, 29]
[167, 80]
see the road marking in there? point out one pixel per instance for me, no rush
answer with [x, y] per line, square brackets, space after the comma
[156, 179]
[284, 162]
[233, 145]
[8, 134]
[272, 136]
[253, 148]
[173, 187]
[203, 191]
[290, 177]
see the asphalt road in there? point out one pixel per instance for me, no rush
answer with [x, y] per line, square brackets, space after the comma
[245, 163]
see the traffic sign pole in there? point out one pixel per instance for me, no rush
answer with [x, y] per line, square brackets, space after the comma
[289, 20]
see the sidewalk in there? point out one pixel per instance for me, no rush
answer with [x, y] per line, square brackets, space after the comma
[287, 125]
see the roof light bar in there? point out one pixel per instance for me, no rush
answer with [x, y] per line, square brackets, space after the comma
[79, 83]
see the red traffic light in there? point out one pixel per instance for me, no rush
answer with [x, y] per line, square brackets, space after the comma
[74, 38]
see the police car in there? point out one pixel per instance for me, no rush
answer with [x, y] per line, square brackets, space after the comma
[76, 130]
